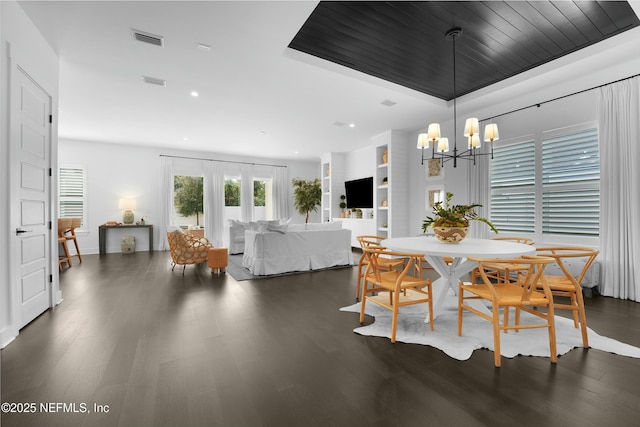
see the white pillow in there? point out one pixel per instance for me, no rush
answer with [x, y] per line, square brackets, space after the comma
[260, 226]
[279, 228]
[236, 223]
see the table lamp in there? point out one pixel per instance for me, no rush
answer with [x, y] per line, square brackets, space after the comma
[127, 205]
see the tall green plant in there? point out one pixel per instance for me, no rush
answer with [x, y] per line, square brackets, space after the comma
[308, 196]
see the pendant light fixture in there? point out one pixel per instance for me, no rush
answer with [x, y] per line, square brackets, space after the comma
[440, 145]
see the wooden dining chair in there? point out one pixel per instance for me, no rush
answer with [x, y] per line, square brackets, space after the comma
[385, 263]
[63, 225]
[568, 285]
[70, 235]
[393, 288]
[500, 272]
[529, 293]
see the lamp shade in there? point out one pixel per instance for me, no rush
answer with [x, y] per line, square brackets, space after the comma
[443, 145]
[474, 141]
[433, 132]
[423, 141]
[471, 127]
[491, 132]
[127, 204]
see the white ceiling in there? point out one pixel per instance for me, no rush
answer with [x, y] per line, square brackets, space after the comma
[257, 97]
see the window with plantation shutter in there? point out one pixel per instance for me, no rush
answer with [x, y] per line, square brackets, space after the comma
[571, 184]
[72, 193]
[549, 185]
[513, 187]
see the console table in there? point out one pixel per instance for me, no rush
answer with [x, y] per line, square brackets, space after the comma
[102, 234]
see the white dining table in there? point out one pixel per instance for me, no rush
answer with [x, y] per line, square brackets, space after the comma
[434, 252]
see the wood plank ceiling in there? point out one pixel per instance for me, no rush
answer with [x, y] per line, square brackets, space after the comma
[405, 43]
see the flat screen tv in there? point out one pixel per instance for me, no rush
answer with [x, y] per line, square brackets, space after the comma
[359, 193]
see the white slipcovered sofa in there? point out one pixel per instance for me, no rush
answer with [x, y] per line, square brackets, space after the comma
[237, 229]
[296, 247]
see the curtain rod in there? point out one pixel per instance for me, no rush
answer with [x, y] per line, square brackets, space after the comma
[560, 97]
[223, 161]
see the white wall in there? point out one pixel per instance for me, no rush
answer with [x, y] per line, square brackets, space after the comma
[20, 44]
[114, 171]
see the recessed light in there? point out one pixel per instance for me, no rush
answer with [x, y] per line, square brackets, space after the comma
[352, 125]
[263, 132]
[185, 139]
[388, 103]
[195, 94]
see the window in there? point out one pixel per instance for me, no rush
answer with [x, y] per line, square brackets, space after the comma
[571, 184]
[548, 186]
[188, 200]
[513, 187]
[232, 199]
[231, 192]
[72, 188]
[262, 199]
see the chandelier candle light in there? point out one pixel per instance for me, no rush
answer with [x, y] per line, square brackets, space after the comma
[440, 145]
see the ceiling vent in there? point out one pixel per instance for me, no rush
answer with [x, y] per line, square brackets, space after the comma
[154, 81]
[339, 123]
[143, 37]
[388, 103]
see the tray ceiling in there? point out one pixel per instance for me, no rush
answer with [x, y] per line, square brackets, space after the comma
[405, 43]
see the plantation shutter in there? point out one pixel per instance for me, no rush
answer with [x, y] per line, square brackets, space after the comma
[513, 188]
[570, 180]
[71, 184]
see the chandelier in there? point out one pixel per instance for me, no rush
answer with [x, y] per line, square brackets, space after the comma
[440, 145]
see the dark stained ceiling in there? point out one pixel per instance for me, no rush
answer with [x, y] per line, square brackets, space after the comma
[405, 43]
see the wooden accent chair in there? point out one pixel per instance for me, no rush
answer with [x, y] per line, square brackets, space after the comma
[64, 224]
[187, 249]
[527, 294]
[400, 288]
[70, 235]
[501, 272]
[568, 285]
[386, 264]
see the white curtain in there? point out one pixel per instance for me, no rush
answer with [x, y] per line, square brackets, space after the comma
[214, 202]
[280, 193]
[246, 192]
[479, 185]
[166, 200]
[619, 136]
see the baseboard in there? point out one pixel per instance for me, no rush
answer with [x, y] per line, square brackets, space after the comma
[7, 335]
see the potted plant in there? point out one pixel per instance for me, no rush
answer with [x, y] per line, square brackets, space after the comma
[343, 205]
[308, 196]
[451, 222]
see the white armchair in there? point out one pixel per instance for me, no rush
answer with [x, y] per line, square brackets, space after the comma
[236, 236]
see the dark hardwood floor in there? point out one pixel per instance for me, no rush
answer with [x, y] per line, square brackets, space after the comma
[162, 349]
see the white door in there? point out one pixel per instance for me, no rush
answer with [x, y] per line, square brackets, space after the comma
[30, 146]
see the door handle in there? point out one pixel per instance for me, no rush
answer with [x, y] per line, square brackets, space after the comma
[20, 231]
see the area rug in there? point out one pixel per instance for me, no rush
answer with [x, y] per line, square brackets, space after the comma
[240, 273]
[477, 333]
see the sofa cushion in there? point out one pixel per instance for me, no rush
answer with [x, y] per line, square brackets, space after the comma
[278, 228]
